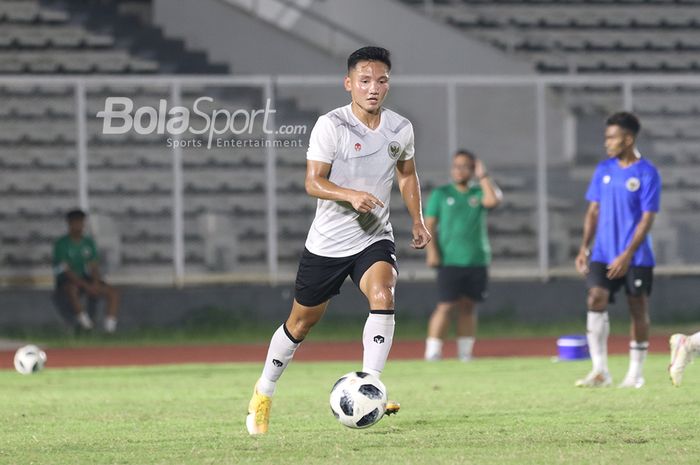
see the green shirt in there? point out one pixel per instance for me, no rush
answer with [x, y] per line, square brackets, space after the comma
[462, 233]
[74, 255]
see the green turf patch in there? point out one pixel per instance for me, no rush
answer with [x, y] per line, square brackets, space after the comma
[327, 330]
[523, 411]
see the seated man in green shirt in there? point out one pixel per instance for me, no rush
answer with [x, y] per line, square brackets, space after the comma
[75, 264]
[456, 216]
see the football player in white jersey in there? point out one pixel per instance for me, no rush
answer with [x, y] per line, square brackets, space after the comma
[366, 145]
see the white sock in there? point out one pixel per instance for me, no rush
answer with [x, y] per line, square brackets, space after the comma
[433, 348]
[638, 353]
[84, 320]
[376, 339]
[598, 329]
[279, 354]
[110, 324]
[695, 342]
[465, 345]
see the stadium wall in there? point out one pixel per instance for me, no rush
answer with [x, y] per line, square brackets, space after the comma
[498, 123]
[247, 44]
[561, 300]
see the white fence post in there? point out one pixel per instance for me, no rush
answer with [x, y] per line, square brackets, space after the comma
[178, 208]
[542, 213]
[271, 188]
[81, 143]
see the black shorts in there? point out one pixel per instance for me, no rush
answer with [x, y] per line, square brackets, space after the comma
[319, 278]
[637, 281]
[462, 281]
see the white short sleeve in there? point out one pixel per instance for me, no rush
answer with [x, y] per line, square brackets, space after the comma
[323, 142]
[409, 150]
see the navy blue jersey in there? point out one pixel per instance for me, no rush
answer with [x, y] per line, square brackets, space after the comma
[623, 194]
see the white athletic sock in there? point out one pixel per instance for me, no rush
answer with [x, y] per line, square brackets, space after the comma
[110, 324]
[638, 353]
[279, 354]
[695, 342]
[433, 348]
[598, 329]
[465, 345]
[376, 339]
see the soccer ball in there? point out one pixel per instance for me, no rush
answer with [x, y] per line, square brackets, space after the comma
[358, 400]
[29, 359]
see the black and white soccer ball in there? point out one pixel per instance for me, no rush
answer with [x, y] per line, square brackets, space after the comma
[29, 359]
[358, 400]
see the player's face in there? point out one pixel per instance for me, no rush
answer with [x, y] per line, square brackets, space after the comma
[368, 84]
[462, 169]
[617, 141]
[76, 226]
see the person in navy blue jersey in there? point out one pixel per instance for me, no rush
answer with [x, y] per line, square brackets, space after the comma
[623, 196]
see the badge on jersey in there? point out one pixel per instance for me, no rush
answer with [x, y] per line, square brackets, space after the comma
[632, 184]
[606, 179]
[473, 202]
[358, 147]
[394, 149]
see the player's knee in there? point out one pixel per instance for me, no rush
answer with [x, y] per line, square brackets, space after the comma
[597, 300]
[444, 307]
[300, 327]
[382, 295]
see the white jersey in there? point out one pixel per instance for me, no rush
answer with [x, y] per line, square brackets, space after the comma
[362, 159]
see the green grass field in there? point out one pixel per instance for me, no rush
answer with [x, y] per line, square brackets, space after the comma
[229, 332]
[521, 411]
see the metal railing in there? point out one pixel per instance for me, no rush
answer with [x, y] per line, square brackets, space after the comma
[268, 85]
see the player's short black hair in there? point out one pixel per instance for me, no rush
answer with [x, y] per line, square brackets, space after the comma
[465, 153]
[76, 214]
[369, 54]
[626, 120]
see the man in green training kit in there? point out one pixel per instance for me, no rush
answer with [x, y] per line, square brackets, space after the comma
[456, 215]
[75, 264]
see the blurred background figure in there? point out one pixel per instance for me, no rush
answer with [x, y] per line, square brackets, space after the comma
[76, 268]
[456, 216]
[624, 197]
[683, 349]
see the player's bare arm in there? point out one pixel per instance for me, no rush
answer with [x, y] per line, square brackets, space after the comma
[433, 257]
[590, 224]
[618, 268]
[410, 192]
[493, 196]
[317, 185]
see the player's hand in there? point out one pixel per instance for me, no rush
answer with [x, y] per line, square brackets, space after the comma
[582, 262]
[421, 236]
[364, 202]
[432, 259]
[479, 169]
[619, 267]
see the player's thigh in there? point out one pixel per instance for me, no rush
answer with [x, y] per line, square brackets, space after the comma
[69, 289]
[378, 284]
[466, 305]
[107, 291]
[638, 282]
[319, 278]
[600, 288]
[474, 283]
[449, 285]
